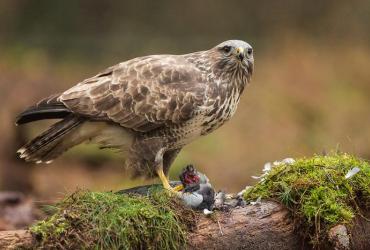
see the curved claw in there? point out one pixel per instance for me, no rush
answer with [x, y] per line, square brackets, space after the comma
[178, 188]
[166, 184]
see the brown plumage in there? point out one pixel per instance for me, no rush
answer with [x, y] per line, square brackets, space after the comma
[148, 107]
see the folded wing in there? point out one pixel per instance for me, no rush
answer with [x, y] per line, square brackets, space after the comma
[141, 94]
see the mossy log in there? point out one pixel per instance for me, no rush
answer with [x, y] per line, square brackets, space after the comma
[320, 202]
[267, 225]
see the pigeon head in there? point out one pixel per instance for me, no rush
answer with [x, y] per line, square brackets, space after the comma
[190, 176]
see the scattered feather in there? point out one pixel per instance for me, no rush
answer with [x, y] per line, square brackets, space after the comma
[267, 167]
[207, 212]
[244, 190]
[287, 161]
[352, 172]
[257, 202]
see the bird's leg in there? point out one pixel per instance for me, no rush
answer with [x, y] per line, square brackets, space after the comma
[160, 173]
[163, 179]
[177, 188]
[168, 158]
[165, 182]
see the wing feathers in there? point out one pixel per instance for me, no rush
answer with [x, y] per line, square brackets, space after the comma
[141, 94]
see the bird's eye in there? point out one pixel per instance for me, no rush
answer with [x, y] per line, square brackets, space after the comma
[226, 48]
[249, 51]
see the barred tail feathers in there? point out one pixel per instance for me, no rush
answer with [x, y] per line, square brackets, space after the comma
[52, 142]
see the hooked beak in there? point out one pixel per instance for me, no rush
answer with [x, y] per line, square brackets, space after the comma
[239, 52]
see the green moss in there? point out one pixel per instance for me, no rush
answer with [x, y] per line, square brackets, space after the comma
[316, 190]
[98, 220]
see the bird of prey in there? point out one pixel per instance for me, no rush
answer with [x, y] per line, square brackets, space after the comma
[148, 107]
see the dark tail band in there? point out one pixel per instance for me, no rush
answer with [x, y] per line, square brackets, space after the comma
[49, 108]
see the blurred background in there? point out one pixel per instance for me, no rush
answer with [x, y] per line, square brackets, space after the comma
[310, 92]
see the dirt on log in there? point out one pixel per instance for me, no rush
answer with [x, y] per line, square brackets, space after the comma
[267, 225]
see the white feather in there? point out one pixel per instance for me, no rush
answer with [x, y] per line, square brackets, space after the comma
[352, 172]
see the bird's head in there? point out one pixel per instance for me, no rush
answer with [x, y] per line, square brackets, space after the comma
[189, 175]
[235, 56]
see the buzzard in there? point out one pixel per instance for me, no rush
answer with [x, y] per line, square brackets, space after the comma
[148, 107]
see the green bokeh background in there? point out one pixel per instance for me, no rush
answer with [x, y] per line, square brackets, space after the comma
[310, 92]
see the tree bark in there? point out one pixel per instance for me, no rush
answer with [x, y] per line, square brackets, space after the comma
[263, 226]
[17, 239]
[266, 225]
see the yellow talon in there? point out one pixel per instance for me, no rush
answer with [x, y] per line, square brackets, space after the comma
[178, 188]
[166, 183]
[164, 180]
